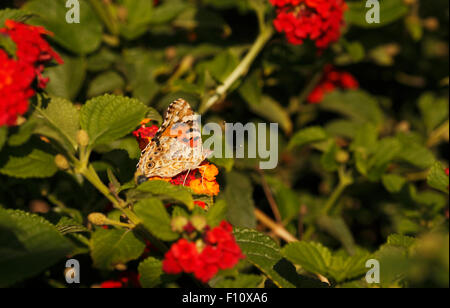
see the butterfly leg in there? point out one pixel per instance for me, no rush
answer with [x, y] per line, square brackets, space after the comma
[187, 174]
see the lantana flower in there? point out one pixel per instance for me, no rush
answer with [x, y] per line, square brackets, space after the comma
[317, 20]
[332, 79]
[18, 73]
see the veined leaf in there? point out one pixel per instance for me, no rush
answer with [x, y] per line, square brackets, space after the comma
[114, 246]
[437, 178]
[28, 245]
[155, 218]
[168, 191]
[308, 135]
[109, 117]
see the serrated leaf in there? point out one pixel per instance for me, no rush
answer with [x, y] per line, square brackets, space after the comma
[308, 135]
[263, 252]
[387, 149]
[437, 178]
[155, 219]
[28, 245]
[238, 195]
[168, 191]
[81, 38]
[401, 240]
[312, 256]
[59, 121]
[114, 246]
[152, 274]
[68, 225]
[109, 117]
[34, 164]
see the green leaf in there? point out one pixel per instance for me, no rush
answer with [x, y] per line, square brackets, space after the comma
[13, 14]
[244, 281]
[286, 199]
[222, 65]
[23, 133]
[263, 252]
[68, 225]
[167, 11]
[239, 198]
[168, 191]
[390, 11]
[356, 104]
[59, 121]
[273, 111]
[312, 256]
[434, 110]
[437, 178]
[28, 245]
[401, 240]
[105, 83]
[393, 182]
[67, 79]
[387, 150]
[251, 89]
[114, 246]
[308, 135]
[328, 158]
[139, 16]
[151, 273]
[344, 267]
[156, 219]
[217, 213]
[82, 38]
[414, 153]
[34, 164]
[109, 117]
[337, 228]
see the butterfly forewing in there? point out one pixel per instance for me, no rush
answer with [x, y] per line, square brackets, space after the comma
[177, 145]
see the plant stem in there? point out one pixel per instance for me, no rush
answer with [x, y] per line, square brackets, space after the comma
[438, 135]
[92, 176]
[240, 70]
[345, 180]
[277, 229]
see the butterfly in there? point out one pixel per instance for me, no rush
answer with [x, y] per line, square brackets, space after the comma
[176, 146]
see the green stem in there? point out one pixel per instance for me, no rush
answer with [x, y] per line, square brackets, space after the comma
[345, 180]
[241, 70]
[92, 176]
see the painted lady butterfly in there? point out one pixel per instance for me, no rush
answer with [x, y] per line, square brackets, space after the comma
[176, 146]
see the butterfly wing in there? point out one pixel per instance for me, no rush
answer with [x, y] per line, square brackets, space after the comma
[177, 145]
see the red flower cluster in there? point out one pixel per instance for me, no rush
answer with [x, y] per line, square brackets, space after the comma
[17, 74]
[125, 280]
[331, 80]
[218, 250]
[317, 20]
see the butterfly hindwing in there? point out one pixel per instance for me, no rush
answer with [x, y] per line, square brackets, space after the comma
[177, 145]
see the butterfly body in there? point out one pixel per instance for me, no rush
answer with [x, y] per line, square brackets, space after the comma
[176, 146]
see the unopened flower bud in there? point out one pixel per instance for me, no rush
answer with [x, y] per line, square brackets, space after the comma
[97, 219]
[61, 162]
[82, 138]
[178, 223]
[198, 222]
[342, 156]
